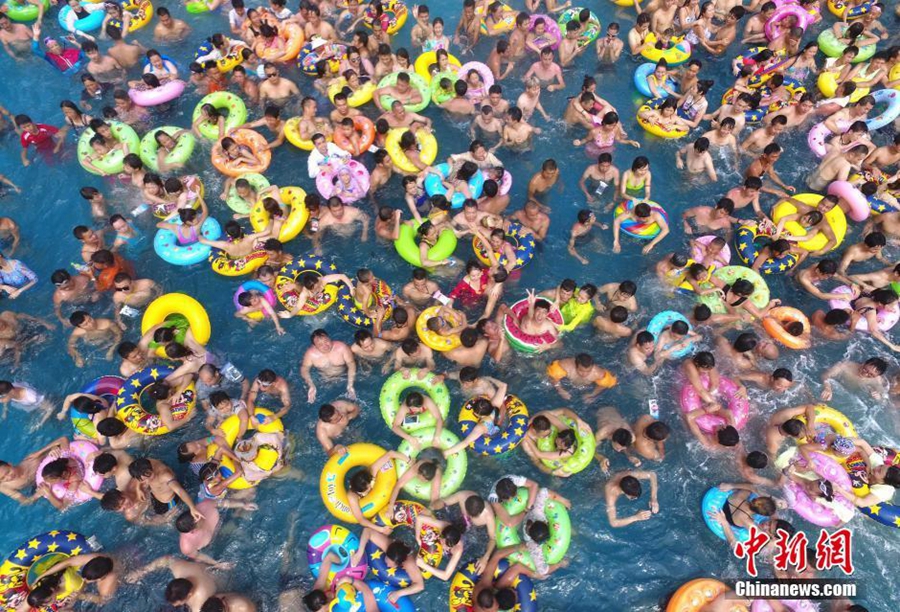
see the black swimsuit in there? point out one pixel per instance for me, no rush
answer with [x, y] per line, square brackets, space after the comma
[729, 513]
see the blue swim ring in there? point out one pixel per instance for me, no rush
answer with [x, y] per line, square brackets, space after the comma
[713, 501]
[87, 24]
[434, 186]
[640, 79]
[663, 320]
[171, 251]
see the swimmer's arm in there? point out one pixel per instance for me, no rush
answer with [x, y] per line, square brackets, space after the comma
[476, 433]
[160, 563]
[15, 495]
[72, 348]
[397, 427]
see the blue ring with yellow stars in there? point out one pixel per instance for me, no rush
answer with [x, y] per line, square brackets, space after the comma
[462, 588]
[391, 576]
[353, 314]
[878, 206]
[299, 266]
[53, 547]
[128, 403]
[886, 514]
[508, 438]
[745, 243]
[521, 239]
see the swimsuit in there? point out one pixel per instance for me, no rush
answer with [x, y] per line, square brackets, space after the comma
[728, 510]
[160, 507]
[191, 238]
[690, 107]
[635, 190]
[30, 400]
[18, 276]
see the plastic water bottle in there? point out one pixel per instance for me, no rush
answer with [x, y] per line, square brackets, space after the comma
[230, 371]
[654, 408]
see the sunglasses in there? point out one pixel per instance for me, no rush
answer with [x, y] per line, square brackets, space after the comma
[271, 75]
[123, 288]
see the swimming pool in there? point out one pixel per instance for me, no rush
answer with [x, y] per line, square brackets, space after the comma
[633, 568]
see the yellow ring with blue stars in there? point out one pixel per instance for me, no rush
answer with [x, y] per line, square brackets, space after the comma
[349, 310]
[462, 588]
[522, 241]
[746, 242]
[131, 411]
[34, 557]
[505, 440]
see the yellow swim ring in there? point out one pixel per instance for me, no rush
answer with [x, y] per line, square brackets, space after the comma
[333, 489]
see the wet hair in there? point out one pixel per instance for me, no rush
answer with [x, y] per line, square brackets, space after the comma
[745, 342]
[97, 568]
[704, 360]
[474, 505]
[728, 436]
[140, 468]
[185, 523]
[111, 427]
[315, 600]
[836, 316]
[631, 486]
[539, 531]
[763, 505]
[623, 437]
[506, 598]
[428, 470]
[178, 590]
[360, 481]
[878, 363]
[758, 460]
[657, 431]
[104, 463]
[397, 551]
[702, 312]
[215, 604]
[55, 469]
[505, 489]
[783, 373]
[644, 337]
[112, 500]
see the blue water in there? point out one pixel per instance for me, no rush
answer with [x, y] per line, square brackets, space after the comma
[634, 568]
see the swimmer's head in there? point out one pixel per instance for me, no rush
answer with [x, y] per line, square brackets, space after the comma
[541, 425]
[704, 360]
[538, 531]
[104, 463]
[728, 436]
[427, 470]
[645, 342]
[745, 342]
[583, 364]
[97, 568]
[782, 379]
[873, 367]
[618, 314]
[55, 470]
[482, 407]
[185, 523]
[505, 489]
[361, 482]
[631, 487]
[216, 604]
[836, 317]
[140, 469]
[758, 460]
[565, 440]
[111, 427]
[622, 439]
[657, 431]
[315, 600]
[397, 552]
[763, 505]
[178, 591]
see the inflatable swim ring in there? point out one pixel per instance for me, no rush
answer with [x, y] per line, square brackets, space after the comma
[729, 274]
[180, 155]
[555, 547]
[407, 245]
[729, 391]
[297, 216]
[635, 229]
[504, 440]
[520, 238]
[521, 341]
[290, 273]
[114, 161]
[80, 451]
[714, 501]
[664, 319]
[454, 470]
[338, 540]
[246, 138]
[584, 453]
[747, 242]
[221, 101]
[887, 319]
[435, 186]
[834, 217]
[267, 459]
[775, 321]
[254, 285]
[334, 491]
[433, 340]
[416, 82]
[129, 404]
[170, 250]
[397, 384]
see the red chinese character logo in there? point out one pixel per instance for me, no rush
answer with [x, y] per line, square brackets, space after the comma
[833, 550]
[749, 548]
[790, 551]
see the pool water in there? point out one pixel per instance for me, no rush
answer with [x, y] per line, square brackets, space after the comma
[634, 568]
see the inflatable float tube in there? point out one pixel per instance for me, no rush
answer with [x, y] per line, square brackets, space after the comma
[400, 382]
[746, 241]
[728, 390]
[887, 319]
[528, 343]
[179, 155]
[835, 218]
[504, 440]
[454, 471]
[729, 274]
[713, 501]
[664, 319]
[170, 250]
[555, 547]
[434, 186]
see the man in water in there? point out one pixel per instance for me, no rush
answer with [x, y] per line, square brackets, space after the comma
[627, 483]
[168, 28]
[77, 289]
[93, 331]
[581, 371]
[15, 478]
[158, 480]
[191, 585]
[131, 295]
[332, 358]
[333, 419]
[535, 320]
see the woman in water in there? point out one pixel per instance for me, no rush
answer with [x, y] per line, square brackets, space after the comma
[15, 277]
[74, 118]
[163, 69]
